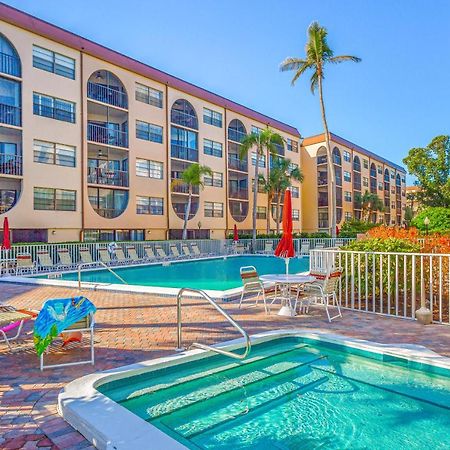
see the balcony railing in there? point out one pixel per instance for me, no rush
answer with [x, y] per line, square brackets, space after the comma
[234, 162]
[10, 164]
[10, 115]
[109, 213]
[53, 113]
[356, 186]
[323, 224]
[97, 175]
[322, 202]
[105, 94]
[184, 119]
[181, 152]
[322, 159]
[9, 65]
[184, 188]
[322, 181]
[241, 194]
[105, 135]
[235, 135]
[180, 209]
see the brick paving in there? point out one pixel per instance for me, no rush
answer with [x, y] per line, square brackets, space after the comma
[132, 328]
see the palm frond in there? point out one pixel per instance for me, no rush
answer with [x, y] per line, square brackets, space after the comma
[292, 64]
[343, 58]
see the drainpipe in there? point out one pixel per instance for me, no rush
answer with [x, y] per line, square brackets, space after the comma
[226, 172]
[83, 144]
[166, 102]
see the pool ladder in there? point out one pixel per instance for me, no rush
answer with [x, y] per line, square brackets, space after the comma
[80, 266]
[205, 296]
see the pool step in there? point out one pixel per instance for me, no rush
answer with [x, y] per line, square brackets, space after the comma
[169, 400]
[194, 372]
[205, 418]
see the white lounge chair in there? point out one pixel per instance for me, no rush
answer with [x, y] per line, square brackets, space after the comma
[149, 254]
[268, 247]
[160, 252]
[86, 257]
[65, 259]
[186, 251]
[175, 252]
[120, 257]
[305, 247]
[319, 245]
[104, 256]
[132, 253]
[45, 261]
[24, 264]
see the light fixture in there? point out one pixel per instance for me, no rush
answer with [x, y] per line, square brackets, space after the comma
[99, 76]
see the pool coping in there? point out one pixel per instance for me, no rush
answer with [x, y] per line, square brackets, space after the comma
[161, 291]
[96, 416]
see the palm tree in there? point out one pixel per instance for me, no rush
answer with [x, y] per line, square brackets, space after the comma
[370, 203]
[191, 177]
[265, 143]
[280, 178]
[318, 54]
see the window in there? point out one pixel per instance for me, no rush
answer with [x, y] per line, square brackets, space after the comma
[261, 212]
[347, 156]
[53, 62]
[183, 113]
[348, 216]
[10, 101]
[52, 153]
[380, 186]
[292, 166]
[149, 132]
[183, 144]
[392, 174]
[256, 130]
[295, 214]
[149, 205]
[212, 148]
[262, 160]
[295, 191]
[261, 187]
[292, 146]
[365, 163]
[365, 182]
[213, 209]
[216, 179]
[149, 95]
[212, 117]
[149, 169]
[347, 176]
[52, 107]
[347, 196]
[108, 203]
[54, 199]
[380, 170]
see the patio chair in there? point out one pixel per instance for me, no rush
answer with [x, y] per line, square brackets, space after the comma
[186, 251]
[252, 284]
[240, 248]
[160, 253]
[305, 247]
[11, 319]
[149, 253]
[132, 254]
[65, 259]
[105, 257]
[321, 292]
[319, 245]
[85, 256]
[268, 247]
[175, 252]
[25, 264]
[120, 257]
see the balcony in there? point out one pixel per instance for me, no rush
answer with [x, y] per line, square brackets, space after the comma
[322, 180]
[356, 186]
[105, 94]
[241, 194]
[180, 209]
[279, 148]
[53, 113]
[10, 115]
[108, 136]
[184, 119]
[184, 188]
[181, 152]
[9, 65]
[322, 202]
[322, 159]
[10, 164]
[323, 224]
[97, 175]
[235, 135]
[235, 163]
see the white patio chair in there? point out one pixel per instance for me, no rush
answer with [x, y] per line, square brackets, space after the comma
[24, 264]
[253, 284]
[305, 247]
[86, 257]
[45, 262]
[268, 247]
[65, 259]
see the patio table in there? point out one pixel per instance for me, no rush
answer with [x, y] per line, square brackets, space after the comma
[8, 265]
[285, 281]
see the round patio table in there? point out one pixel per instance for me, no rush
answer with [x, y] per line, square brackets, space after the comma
[286, 281]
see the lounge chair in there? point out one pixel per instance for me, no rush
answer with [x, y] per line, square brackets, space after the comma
[65, 259]
[24, 264]
[186, 251]
[305, 247]
[253, 284]
[175, 252]
[11, 319]
[120, 257]
[319, 245]
[105, 257]
[268, 247]
[86, 257]
[132, 254]
[160, 252]
[322, 291]
[149, 254]
[240, 249]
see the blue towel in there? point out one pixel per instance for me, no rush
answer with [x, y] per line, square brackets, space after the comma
[56, 315]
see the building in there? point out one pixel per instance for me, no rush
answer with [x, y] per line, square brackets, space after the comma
[411, 199]
[357, 171]
[90, 141]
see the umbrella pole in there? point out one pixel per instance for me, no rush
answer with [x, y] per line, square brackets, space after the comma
[286, 261]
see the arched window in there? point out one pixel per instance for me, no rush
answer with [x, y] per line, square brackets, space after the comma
[9, 58]
[398, 181]
[356, 164]
[236, 131]
[322, 155]
[386, 176]
[337, 156]
[373, 170]
[105, 87]
[183, 113]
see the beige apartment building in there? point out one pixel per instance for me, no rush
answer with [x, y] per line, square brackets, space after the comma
[357, 171]
[90, 141]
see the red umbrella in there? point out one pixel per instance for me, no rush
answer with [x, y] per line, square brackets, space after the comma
[235, 237]
[285, 248]
[6, 244]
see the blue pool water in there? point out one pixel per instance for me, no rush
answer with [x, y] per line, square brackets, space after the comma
[293, 393]
[217, 274]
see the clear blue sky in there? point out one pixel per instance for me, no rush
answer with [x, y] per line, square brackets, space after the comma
[398, 97]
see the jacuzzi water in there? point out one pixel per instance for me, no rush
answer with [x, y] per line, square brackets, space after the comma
[294, 393]
[216, 274]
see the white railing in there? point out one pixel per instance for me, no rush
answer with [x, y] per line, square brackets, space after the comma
[207, 247]
[393, 284]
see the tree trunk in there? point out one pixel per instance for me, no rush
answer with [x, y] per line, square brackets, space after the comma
[269, 202]
[278, 212]
[186, 214]
[255, 198]
[331, 174]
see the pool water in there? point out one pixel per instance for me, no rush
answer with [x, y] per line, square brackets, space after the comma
[216, 274]
[292, 393]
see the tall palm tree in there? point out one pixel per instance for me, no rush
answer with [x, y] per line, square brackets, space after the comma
[280, 178]
[370, 203]
[317, 55]
[191, 177]
[264, 142]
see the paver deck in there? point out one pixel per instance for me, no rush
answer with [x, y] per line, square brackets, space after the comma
[132, 328]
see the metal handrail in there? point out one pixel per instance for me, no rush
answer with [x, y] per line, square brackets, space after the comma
[102, 264]
[204, 295]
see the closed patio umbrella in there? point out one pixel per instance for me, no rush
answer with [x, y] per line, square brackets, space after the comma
[285, 248]
[235, 236]
[6, 244]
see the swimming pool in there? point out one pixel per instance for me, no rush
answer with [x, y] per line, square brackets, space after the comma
[209, 274]
[293, 391]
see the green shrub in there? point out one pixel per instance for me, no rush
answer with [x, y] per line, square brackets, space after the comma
[351, 228]
[439, 220]
[383, 245]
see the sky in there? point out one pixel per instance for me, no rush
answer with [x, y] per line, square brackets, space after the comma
[396, 99]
